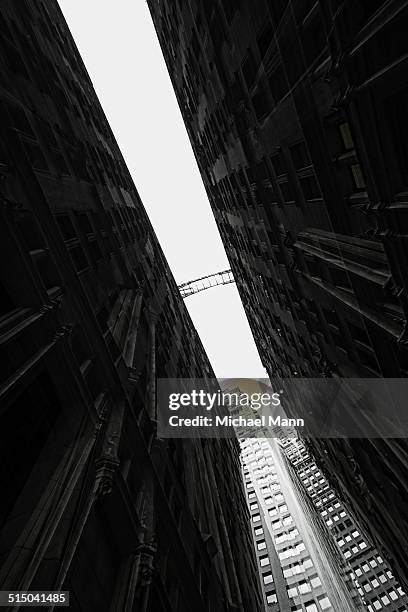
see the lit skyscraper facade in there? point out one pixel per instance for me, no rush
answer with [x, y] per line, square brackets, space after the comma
[370, 573]
[298, 571]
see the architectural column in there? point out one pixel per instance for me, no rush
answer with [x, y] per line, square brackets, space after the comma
[147, 571]
[151, 408]
[126, 582]
[103, 479]
[130, 345]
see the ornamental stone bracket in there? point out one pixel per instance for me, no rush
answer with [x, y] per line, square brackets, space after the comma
[148, 551]
[108, 462]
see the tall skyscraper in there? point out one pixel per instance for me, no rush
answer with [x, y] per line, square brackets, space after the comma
[290, 500]
[370, 573]
[91, 501]
[297, 571]
[296, 111]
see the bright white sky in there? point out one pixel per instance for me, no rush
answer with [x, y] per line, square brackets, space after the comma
[120, 49]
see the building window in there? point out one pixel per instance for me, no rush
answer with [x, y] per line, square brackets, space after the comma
[285, 554]
[66, 226]
[307, 563]
[315, 582]
[261, 545]
[346, 136]
[304, 587]
[310, 188]
[271, 598]
[340, 278]
[357, 176]
[300, 155]
[324, 603]
[267, 578]
[287, 191]
[393, 595]
[264, 560]
[279, 164]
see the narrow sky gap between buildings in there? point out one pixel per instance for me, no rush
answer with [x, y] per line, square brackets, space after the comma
[123, 58]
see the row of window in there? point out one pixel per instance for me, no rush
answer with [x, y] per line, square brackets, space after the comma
[355, 549]
[297, 163]
[291, 551]
[310, 606]
[304, 586]
[284, 522]
[84, 159]
[385, 600]
[367, 587]
[335, 518]
[330, 509]
[371, 564]
[374, 583]
[312, 470]
[324, 500]
[291, 534]
[297, 568]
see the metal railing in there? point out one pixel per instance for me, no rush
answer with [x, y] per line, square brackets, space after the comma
[206, 282]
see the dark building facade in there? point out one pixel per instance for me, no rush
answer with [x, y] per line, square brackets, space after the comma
[91, 501]
[296, 111]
